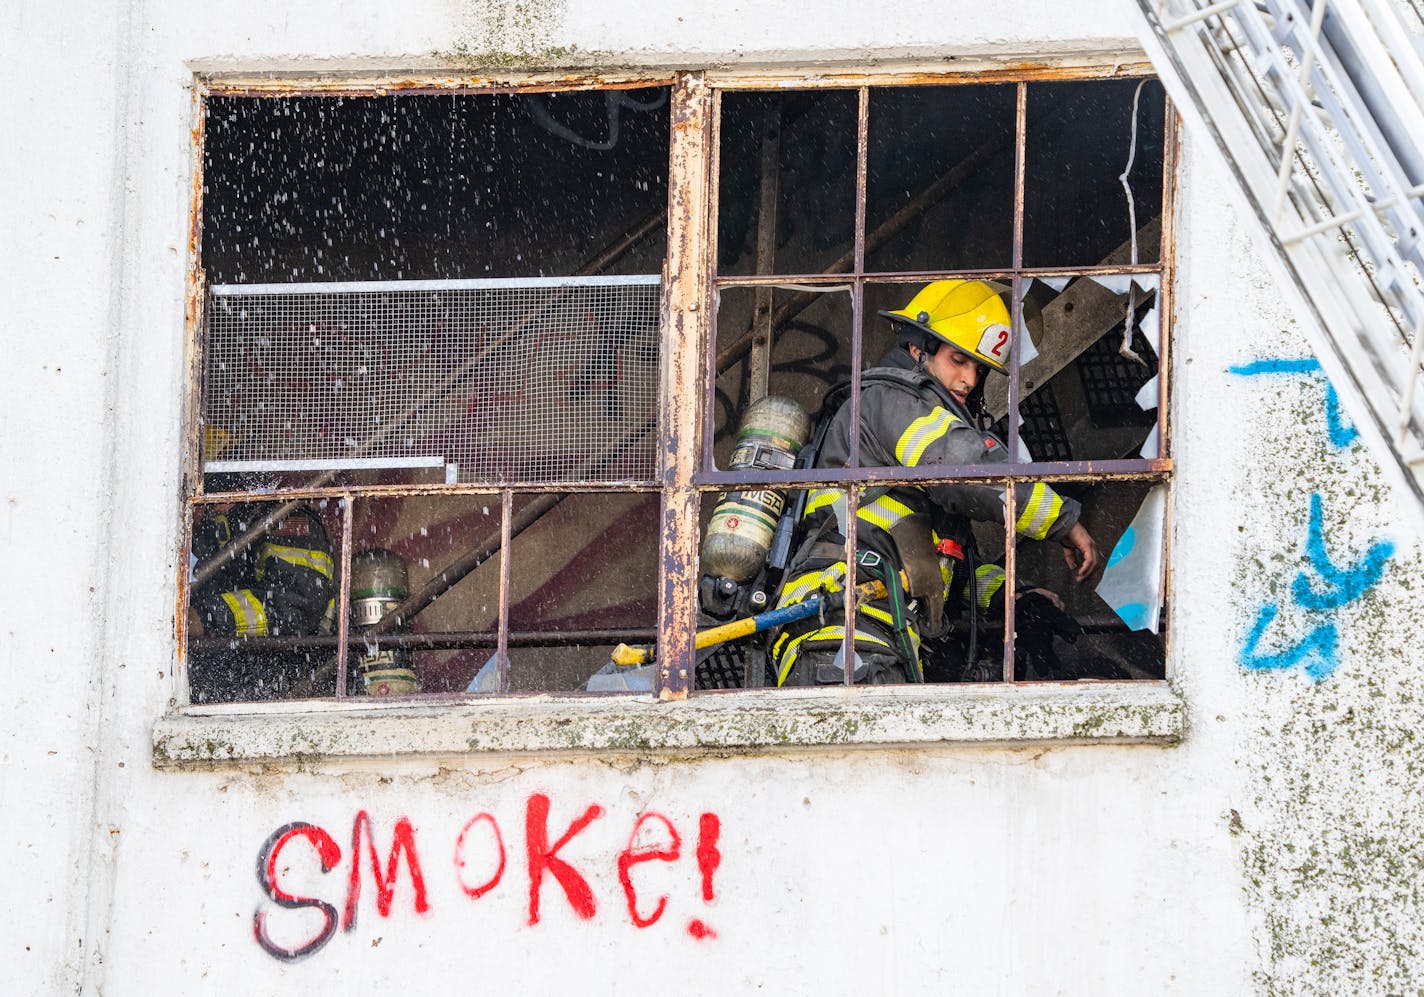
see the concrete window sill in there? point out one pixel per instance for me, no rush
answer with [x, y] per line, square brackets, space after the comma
[1079, 713]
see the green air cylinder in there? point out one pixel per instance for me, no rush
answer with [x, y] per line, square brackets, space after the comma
[379, 583]
[773, 432]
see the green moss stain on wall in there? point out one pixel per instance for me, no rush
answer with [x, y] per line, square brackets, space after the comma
[511, 34]
[1331, 832]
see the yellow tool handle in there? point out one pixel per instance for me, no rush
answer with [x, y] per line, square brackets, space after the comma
[625, 656]
[630, 657]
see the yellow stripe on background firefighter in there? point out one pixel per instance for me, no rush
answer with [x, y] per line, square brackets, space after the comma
[282, 586]
[915, 410]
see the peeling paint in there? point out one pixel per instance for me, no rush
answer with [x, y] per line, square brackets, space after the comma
[1139, 712]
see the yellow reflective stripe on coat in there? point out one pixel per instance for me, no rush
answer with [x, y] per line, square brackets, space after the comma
[248, 615]
[889, 621]
[988, 579]
[792, 649]
[301, 557]
[810, 582]
[913, 443]
[1041, 512]
[818, 499]
[884, 512]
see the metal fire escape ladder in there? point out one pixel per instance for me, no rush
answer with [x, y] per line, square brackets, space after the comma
[1315, 107]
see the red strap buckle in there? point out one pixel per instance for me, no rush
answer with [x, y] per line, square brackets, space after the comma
[950, 549]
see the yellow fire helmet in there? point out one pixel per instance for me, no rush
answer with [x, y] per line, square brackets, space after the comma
[967, 314]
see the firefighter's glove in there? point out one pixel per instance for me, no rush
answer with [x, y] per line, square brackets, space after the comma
[1037, 621]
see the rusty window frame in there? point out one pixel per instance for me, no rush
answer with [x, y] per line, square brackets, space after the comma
[853, 479]
[194, 494]
[685, 473]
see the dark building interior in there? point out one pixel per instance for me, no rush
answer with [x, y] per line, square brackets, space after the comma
[473, 187]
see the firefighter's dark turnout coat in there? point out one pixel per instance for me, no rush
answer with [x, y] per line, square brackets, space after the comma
[281, 586]
[907, 420]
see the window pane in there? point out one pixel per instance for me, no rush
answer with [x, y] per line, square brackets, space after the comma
[446, 547]
[971, 648]
[262, 617]
[808, 174]
[950, 371]
[946, 154]
[1082, 395]
[749, 540]
[763, 552]
[422, 186]
[583, 578]
[1122, 614]
[1080, 138]
[809, 352]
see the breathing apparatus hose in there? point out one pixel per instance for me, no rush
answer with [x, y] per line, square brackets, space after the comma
[899, 612]
[971, 561]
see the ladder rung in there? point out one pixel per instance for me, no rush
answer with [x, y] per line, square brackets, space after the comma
[1201, 15]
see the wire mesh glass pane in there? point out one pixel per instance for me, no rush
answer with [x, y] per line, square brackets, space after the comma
[505, 380]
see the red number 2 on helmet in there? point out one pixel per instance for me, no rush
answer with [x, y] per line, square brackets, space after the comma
[998, 347]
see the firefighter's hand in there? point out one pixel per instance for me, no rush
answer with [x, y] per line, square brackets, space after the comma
[1081, 552]
[1048, 594]
[1038, 621]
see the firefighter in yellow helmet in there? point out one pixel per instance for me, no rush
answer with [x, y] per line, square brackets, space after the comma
[914, 411]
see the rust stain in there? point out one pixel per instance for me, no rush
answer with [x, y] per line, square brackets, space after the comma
[306, 86]
[685, 325]
[194, 294]
[1167, 299]
[506, 542]
[1007, 72]
[343, 597]
[1167, 288]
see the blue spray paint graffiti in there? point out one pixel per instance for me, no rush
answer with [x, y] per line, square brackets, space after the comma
[1338, 587]
[1333, 588]
[1341, 433]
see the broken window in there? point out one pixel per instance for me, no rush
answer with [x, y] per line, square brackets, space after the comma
[431, 335]
[843, 216]
[432, 450]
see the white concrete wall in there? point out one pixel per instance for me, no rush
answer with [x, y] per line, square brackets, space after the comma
[1273, 849]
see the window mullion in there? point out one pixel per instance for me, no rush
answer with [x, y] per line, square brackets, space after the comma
[852, 578]
[506, 541]
[1011, 424]
[1011, 580]
[685, 340]
[343, 595]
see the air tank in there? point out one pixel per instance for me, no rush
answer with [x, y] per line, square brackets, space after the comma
[773, 431]
[379, 583]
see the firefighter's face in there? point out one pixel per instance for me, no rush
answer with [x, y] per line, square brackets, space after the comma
[958, 372]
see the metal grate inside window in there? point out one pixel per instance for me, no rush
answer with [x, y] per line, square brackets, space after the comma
[1111, 381]
[1042, 429]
